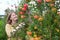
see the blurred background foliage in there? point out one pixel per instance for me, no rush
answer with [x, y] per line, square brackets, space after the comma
[3, 35]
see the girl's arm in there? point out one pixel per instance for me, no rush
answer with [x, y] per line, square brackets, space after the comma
[21, 25]
[8, 29]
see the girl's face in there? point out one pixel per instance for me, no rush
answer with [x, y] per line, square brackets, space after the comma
[14, 17]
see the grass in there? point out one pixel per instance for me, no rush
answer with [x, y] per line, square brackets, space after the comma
[2, 30]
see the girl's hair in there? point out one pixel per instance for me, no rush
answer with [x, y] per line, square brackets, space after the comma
[9, 21]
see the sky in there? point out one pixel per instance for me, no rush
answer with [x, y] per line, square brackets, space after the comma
[4, 4]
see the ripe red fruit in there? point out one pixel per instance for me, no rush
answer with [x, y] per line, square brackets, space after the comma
[36, 16]
[25, 5]
[21, 13]
[39, 1]
[48, 0]
[24, 9]
[52, 4]
[58, 13]
[29, 33]
[23, 16]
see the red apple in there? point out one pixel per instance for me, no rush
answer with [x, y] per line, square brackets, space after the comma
[24, 9]
[23, 16]
[36, 16]
[21, 13]
[39, 1]
[29, 33]
[25, 5]
[48, 0]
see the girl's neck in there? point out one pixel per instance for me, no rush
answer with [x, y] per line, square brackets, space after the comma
[13, 22]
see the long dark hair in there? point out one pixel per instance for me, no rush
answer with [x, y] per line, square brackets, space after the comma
[9, 21]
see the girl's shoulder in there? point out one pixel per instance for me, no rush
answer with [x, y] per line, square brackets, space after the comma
[8, 25]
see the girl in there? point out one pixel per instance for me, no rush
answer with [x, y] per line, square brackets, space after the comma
[11, 21]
